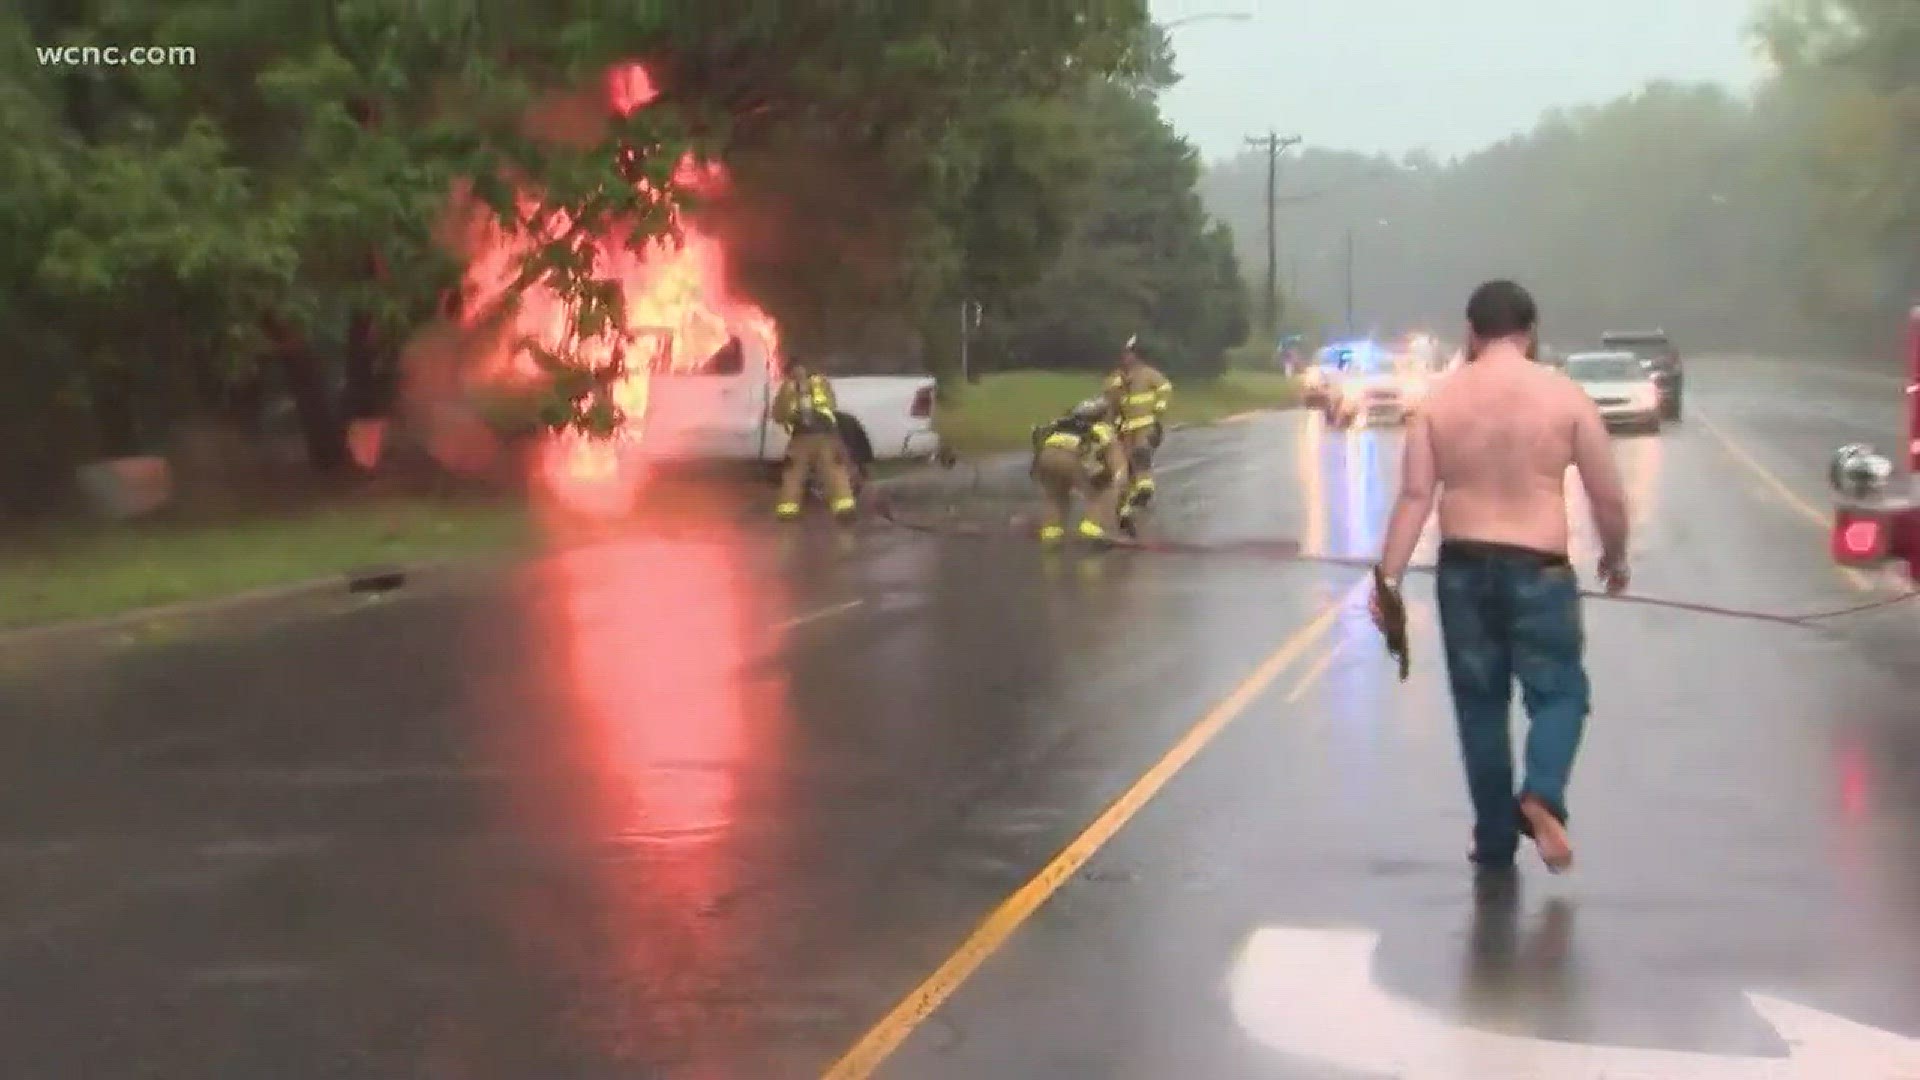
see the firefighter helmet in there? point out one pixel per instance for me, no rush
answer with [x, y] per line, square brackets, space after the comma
[1142, 346]
[1092, 409]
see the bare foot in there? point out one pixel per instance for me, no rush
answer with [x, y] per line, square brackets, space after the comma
[1549, 836]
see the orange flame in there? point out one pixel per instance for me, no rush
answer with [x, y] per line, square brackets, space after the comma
[679, 309]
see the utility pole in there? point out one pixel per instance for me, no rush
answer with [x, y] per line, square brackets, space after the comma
[969, 322]
[1275, 145]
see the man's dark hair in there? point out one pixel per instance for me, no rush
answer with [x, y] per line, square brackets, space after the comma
[1501, 309]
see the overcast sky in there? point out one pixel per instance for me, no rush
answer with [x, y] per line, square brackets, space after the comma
[1448, 75]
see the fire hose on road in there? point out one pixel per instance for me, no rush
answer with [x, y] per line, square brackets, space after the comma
[1283, 550]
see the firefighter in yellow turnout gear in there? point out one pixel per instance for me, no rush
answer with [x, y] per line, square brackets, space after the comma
[1080, 452]
[1139, 395]
[804, 405]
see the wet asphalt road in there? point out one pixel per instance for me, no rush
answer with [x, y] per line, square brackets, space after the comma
[708, 803]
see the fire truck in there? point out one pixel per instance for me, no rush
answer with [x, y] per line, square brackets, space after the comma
[1877, 511]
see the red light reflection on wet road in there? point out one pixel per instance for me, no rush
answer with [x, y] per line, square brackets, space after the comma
[673, 731]
[657, 636]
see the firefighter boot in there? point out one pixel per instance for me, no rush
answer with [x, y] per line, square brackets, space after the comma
[830, 464]
[793, 482]
[1054, 471]
[809, 456]
[1140, 494]
[1094, 533]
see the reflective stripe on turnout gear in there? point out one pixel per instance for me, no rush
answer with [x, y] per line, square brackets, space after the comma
[1071, 435]
[810, 408]
[1141, 396]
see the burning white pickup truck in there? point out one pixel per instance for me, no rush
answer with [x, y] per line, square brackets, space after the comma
[717, 408]
[683, 365]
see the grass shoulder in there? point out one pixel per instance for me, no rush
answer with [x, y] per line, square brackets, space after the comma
[1000, 411]
[79, 571]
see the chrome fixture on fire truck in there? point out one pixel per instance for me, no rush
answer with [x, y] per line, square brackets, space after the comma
[1859, 471]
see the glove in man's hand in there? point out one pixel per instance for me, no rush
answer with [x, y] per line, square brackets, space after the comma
[1390, 615]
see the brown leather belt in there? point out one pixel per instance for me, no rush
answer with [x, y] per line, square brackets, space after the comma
[1467, 552]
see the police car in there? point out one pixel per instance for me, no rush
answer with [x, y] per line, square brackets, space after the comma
[1365, 383]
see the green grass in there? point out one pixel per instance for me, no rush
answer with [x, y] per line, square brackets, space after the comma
[83, 572]
[1000, 411]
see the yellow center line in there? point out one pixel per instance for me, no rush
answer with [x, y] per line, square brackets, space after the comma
[886, 1036]
[1312, 674]
[1786, 494]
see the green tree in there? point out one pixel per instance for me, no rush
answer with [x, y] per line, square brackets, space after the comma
[1143, 257]
[1855, 67]
[894, 159]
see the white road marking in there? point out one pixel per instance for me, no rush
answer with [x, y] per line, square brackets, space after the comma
[823, 613]
[1311, 994]
[1179, 467]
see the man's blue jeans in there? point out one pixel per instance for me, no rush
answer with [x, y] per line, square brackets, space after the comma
[1508, 614]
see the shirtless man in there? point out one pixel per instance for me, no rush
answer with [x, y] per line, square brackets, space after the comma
[1494, 443]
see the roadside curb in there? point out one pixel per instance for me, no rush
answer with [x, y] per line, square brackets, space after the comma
[210, 607]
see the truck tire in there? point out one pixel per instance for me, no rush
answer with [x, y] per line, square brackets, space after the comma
[859, 453]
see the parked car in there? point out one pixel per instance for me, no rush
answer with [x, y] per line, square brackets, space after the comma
[1361, 382]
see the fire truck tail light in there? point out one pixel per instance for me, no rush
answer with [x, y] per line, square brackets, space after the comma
[1859, 540]
[1861, 537]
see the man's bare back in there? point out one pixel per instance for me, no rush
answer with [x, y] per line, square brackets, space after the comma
[1493, 443]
